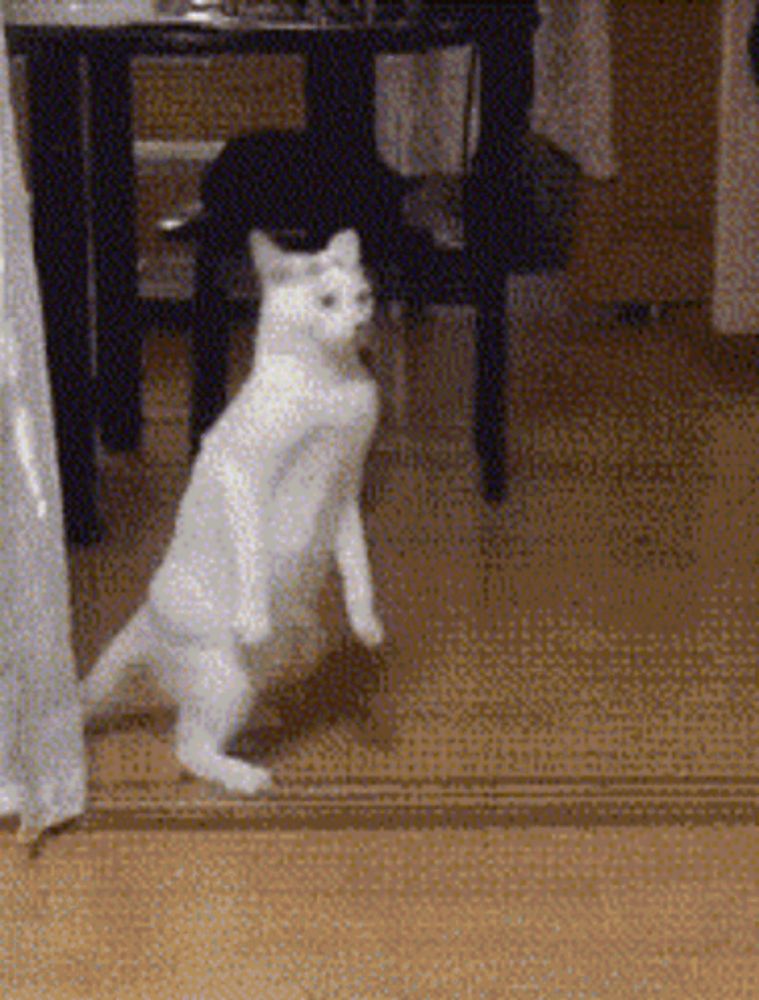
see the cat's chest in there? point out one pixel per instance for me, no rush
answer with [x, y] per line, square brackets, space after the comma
[312, 482]
[330, 425]
[319, 471]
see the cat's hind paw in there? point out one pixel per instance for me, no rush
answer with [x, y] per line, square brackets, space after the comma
[235, 776]
[247, 780]
[252, 631]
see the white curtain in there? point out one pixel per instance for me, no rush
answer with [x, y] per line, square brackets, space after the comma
[573, 82]
[42, 769]
[422, 99]
[421, 107]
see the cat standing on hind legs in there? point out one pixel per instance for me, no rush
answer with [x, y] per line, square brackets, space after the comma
[273, 500]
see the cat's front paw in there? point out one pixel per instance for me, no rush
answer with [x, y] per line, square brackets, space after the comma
[252, 630]
[368, 629]
[358, 403]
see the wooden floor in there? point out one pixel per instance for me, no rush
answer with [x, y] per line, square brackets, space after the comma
[590, 646]
[434, 915]
[597, 632]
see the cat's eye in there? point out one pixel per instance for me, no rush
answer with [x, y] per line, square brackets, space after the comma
[364, 297]
[328, 301]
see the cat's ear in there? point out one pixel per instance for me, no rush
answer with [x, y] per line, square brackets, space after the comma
[267, 257]
[345, 247]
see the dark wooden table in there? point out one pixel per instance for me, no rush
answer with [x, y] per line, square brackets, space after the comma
[84, 200]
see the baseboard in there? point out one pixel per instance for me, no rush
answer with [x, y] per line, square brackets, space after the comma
[458, 803]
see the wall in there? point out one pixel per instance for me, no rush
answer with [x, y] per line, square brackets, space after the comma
[647, 235]
[735, 303]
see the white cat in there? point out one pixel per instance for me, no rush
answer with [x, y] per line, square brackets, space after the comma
[273, 497]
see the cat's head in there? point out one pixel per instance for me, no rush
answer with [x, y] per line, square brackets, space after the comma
[326, 293]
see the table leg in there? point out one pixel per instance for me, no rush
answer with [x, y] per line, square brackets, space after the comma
[119, 343]
[491, 345]
[60, 241]
[495, 213]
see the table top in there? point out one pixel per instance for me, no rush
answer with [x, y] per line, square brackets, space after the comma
[283, 14]
[146, 26]
[120, 13]
[122, 28]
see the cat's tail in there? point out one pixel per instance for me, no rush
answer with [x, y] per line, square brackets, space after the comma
[129, 648]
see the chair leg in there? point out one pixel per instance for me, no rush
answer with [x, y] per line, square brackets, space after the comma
[399, 374]
[210, 342]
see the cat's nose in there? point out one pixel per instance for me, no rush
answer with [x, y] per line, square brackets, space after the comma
[367, 309]
[365, 299]
[364, 326]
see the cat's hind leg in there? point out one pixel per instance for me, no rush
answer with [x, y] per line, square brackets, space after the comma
[214, 704]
